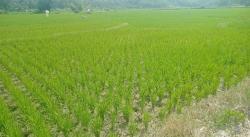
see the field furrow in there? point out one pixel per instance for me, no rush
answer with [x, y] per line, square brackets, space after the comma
[35, 102]
[117, 73]
[52, 106]
[33, 117]
[15, 111]
[9, 122]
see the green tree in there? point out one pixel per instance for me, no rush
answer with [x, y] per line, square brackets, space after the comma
[75, 7]
[4, 4]
[245, 2]
[44, 5]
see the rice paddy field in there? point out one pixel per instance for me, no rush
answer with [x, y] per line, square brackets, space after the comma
[112, 73]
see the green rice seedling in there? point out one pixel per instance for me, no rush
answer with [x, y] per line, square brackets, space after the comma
[97, 125]
[132, 128]
[38, 126]
[127, 111]
[8, 125]
[146, 119]
[93, 72]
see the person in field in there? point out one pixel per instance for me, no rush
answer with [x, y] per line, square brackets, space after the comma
[47, 13]
[89, 11]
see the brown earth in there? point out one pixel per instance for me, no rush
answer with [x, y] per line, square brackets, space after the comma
[198, 120]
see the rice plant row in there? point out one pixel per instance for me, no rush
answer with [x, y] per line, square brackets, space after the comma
[115, 82]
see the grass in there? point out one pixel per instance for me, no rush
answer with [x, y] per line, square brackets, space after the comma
[90, 79]
[229, 118]
[222, 114]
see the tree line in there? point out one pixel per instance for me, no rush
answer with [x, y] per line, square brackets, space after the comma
[78, 5]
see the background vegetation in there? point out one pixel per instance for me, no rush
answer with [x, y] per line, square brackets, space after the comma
[78, 5]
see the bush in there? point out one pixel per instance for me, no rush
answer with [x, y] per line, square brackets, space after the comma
[2, 11]
[76, 8]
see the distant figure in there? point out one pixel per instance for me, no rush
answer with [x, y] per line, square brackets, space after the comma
[47, 13]
[89, 11]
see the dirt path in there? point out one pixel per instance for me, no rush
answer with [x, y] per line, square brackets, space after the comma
[122, 25]
[54, 35]
[202, 118]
